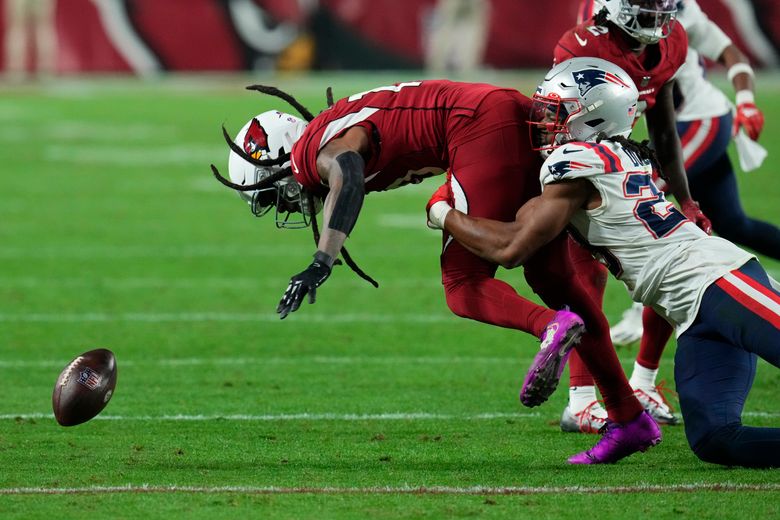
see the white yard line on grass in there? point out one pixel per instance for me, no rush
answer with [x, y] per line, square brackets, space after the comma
[404, 221]
[185, 317]
[348, 417]
[297, 360]
[239, 283]
[305, 416]
[79, 131]
[93, 251]
[393, 490]
[141, 155]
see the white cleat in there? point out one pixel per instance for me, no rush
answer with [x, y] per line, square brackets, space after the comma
[589, 420]
[629, 329]
[655, 403]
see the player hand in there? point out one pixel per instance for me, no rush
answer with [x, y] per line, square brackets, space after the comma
[302, 284]
[439, 205]
[690, 209]
[750, 118]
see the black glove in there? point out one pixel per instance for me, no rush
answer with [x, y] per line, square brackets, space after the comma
[304, 283]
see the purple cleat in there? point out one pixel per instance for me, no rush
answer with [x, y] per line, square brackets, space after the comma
[621, 440]
[558, 338]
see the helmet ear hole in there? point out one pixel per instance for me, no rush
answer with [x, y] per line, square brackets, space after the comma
[593, 123]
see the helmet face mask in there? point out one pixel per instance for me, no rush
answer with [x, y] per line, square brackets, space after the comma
[290, 201]
[293, 207]
[580, 99]
[547, 123]
[260, 201]
[647, 21]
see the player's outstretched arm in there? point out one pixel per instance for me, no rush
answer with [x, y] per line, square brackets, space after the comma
[540, 220]
[341, 165]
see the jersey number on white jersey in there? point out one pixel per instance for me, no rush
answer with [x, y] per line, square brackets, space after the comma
[658, 215]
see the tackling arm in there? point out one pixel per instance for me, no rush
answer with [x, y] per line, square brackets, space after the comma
[540, 220]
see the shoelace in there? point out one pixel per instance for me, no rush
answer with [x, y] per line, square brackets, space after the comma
[583, 418]
[662, 390]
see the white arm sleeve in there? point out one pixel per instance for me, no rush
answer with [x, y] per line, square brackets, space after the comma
[703, 35]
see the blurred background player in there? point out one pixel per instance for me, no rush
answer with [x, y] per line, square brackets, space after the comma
[706, 124]
[396, 135]
[642, 38]
[718, 296]
[458, 35]
[29, 25]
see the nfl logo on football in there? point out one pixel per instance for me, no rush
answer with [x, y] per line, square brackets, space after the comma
[89, 378]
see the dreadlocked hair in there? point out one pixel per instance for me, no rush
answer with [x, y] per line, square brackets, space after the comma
[273, 91]
[602, 17]
[264, 183]
[640, 149]
[329, 96]
[285, 172]
[248, 158]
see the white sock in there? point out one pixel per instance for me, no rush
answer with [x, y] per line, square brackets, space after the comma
[580, 397]
[642, 377]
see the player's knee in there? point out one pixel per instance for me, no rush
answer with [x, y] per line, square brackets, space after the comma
[717, 445]
[462, 293]
[453, 295]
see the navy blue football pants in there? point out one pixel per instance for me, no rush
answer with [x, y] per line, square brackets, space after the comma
[738, 321]
[714, 185]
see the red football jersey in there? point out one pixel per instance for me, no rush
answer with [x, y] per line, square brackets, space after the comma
[589, 40]
[413, 125]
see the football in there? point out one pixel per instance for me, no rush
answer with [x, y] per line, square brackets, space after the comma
[84, 387]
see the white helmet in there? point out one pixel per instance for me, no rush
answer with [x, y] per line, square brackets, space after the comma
[268, 138]
[579, 99]
[647, 21]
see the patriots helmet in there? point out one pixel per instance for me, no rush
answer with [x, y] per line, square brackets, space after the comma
[579, 99]
[647, 21]
[269, 137]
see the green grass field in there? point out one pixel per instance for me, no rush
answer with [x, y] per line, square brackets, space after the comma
[113, 234]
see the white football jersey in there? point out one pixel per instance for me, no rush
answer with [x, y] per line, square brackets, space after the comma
[663, 258]
[701, 99]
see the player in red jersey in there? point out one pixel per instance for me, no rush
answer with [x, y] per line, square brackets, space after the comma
[395, 135]
[643, 38]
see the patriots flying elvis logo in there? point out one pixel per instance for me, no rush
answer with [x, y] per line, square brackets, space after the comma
[561, 168]
[586, 79]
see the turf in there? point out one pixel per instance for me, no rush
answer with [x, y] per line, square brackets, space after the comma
[113, 234]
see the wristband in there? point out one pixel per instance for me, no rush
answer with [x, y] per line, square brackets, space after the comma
[740, 68]
[744, 96]
[438, 213]
[324, 258]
